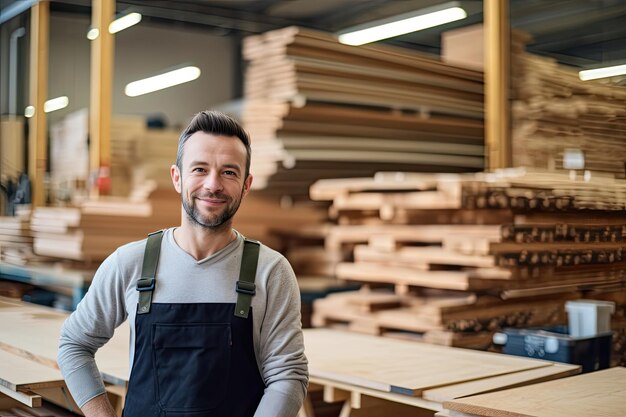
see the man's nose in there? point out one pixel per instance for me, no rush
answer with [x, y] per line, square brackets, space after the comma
[213, 182]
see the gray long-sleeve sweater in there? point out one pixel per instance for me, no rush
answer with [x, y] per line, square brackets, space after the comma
[112, 298]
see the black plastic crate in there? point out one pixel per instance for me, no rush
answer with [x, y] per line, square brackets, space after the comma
[555, 344]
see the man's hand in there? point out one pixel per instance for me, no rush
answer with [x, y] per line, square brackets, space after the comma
[99, 406]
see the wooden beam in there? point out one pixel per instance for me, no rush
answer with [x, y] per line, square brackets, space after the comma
[497, 84]
[37, 137]
[101, 85]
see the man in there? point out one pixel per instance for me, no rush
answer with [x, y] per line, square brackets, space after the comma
[215, 318]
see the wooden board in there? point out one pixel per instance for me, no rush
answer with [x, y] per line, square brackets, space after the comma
[601, 393]
[20, 374]
[400, 366]
[497, 383]
[33, 332]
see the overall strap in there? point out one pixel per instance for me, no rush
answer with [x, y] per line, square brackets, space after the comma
[145, 285]
[245, 287]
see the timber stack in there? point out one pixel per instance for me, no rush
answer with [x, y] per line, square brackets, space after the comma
[461, 256]
[555, 113]
[321, 109]
[90, 231]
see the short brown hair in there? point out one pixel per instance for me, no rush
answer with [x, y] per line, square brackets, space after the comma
[217, 123]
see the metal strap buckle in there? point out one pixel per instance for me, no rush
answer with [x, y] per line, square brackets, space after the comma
[246, 287]
[145, 284]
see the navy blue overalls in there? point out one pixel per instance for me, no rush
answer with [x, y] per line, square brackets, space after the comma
[194, 360]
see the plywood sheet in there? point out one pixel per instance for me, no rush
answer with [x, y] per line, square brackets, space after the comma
[20, 374]
[400, 366]
[496, 383]
[601, 393]
[33, 332]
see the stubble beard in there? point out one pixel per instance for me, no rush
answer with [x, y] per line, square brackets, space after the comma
[217, 222]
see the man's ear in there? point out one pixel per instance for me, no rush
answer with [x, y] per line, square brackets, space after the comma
[176, 177]
[247, 184]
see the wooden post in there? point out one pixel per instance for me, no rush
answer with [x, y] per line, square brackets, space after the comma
[101, 86]
[497, 84]
[37, 136]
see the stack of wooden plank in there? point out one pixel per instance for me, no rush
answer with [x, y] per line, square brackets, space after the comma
[94, 229]
[472, 253]
[553, 111]
[126, 133]
[16, 240]
[15, 237]
[270, 220]
[320, 109]
[138, 155]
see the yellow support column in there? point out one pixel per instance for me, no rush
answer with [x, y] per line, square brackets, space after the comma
[38, 91]
[497, 84]
[101, 86]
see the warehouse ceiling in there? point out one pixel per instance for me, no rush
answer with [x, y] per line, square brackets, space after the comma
[581, 33]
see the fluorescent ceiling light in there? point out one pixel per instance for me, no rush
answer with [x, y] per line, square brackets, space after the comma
[49, 106]
[93, 34]
[594, 74]
[159, 82]
[401, 25]
[117, 25]
[29, 111]
[56, 104]
[124, 22]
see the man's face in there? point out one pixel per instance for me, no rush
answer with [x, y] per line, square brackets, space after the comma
[211, 181]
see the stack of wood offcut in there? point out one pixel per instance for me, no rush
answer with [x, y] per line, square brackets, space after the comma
[320, 109]
[15, 237]
[140, 155]
[555, 113]
[93, 230]
[269, 220]
[468, 254]
[16, 240]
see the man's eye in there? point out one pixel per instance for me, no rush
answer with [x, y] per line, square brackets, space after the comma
[198, 170]
[228, 172]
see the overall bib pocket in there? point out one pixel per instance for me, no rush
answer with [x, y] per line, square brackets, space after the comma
[191, 365]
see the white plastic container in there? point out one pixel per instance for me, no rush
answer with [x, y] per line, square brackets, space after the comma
[589, 318]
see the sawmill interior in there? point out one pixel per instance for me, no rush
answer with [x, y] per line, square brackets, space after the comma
[400, 208]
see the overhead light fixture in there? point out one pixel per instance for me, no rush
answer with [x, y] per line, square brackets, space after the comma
[117, 25]
[29, 111]
[55, 104]
[124, 22]
[93, 34]
[402, 24]
[49, 106]
[605, 72]
[159, 82]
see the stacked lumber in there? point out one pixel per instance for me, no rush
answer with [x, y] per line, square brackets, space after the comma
[16, 240]
[126, 133]
[156, 153]
[320, 109]
[270, 219]
[553, 111]
[15, 235]
[94, 229]
[464, 255]
[138, 155]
